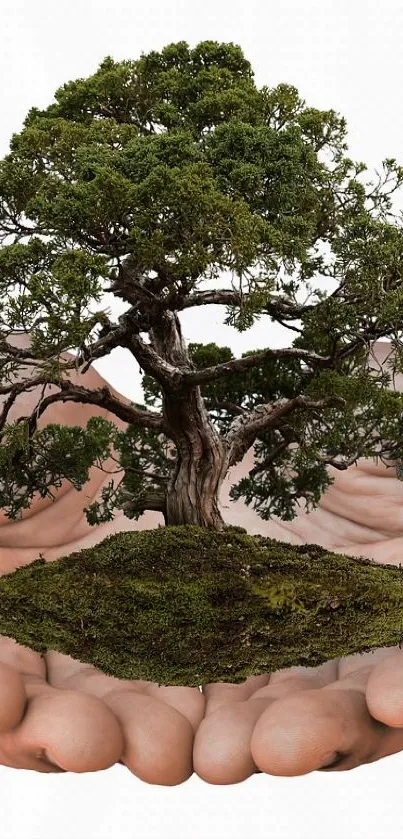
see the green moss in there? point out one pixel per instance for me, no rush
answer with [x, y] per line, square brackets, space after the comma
[186, 605]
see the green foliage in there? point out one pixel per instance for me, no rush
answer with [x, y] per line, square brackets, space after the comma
[38, 461]
[179, 162]
[174, 158]
[267, 382]
[141, 453]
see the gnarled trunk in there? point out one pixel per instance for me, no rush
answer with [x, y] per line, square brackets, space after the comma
[202, 462]
[192, 496]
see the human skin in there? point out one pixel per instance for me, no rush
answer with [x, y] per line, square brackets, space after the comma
[60, 714]
[57, 714]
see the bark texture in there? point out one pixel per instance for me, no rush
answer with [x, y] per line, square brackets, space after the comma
[201, 465]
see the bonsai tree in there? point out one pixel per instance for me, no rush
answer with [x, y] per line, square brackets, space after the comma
[149, 180]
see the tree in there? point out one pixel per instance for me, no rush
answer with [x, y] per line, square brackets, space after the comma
[156, 176]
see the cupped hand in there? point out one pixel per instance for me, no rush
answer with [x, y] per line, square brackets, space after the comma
[57, 714]
[286, 723]
[335, 717]
[346, 712]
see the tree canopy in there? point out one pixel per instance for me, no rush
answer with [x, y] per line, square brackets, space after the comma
[149, 179]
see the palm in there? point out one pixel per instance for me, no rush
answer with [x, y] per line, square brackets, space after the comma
[52, 709]
[294, 721]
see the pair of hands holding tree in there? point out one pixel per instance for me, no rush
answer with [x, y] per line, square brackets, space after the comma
[57, 714]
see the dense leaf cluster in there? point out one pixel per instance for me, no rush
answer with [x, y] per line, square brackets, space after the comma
[178, 163]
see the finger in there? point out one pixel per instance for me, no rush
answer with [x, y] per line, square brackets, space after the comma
[188, 701]
[158, 740]
[221, 749]
[318, 676]
[65, 672]
[222, 752]
[350, 663]
[352, 494]
[221, 693]
[13, 698]
[76, 732]
[60, 667]
[22, 659]
[308, 731]
[388, 551]
[384, 693]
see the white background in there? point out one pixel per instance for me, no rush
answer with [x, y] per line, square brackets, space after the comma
[342, 55]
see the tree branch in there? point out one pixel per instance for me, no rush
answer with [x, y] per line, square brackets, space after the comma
[341, 465]
[99, 349]
[154, 476]
[244, 429]
[153, 500]
[270, 458]
[225, 405]
[169, 376]
[123, 335]
[76, 393]
[133, 285]
[226, 297]
[209, 374]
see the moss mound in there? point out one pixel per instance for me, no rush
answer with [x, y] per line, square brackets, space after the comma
[186, 605]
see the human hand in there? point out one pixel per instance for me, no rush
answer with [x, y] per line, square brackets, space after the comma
[340, 715]
[346, 712]
[57, 714]
[217, 749]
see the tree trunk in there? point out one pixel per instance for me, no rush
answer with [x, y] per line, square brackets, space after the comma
[201, 466]
[192, 495]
